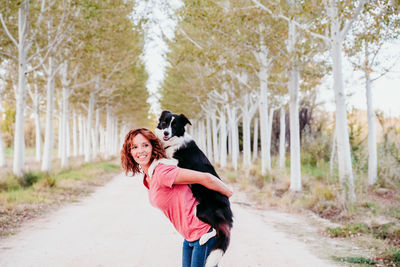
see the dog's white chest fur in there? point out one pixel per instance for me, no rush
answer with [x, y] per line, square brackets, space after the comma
[174, 143]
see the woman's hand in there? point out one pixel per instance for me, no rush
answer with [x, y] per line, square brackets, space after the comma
[225, 190]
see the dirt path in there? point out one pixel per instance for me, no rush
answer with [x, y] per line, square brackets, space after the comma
[116, 226]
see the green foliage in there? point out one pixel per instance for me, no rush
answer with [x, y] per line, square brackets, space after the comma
[395, 213]
[349, 230]
[358, 260]
[393, 256]
[10, 183]
[29, 178]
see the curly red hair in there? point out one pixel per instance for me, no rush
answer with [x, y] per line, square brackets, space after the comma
[127, 161]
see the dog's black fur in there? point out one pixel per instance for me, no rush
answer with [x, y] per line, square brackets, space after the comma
[213, 208]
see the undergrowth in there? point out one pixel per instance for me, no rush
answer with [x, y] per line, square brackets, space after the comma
[25, 197]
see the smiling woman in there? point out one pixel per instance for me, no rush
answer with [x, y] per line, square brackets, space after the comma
[168, 191]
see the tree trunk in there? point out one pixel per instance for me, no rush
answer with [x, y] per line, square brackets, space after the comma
[223, 140]
[89, 145]
[234, 136]
[81, 134]
[3, 162]
[74, 135]
[215, 136]
[295, 164]
[19, 138]
[270, 117]
[38, 132]
[48, 140]
[255, 140]
[344, 151]
[282, 138]
[372, 150]
[263, 109]
[96, 134]
[263, 104]
[64, 128]
[247, 114]
[209, 137]
[333, 153]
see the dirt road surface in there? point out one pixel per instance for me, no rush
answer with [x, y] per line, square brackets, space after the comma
[116, 226]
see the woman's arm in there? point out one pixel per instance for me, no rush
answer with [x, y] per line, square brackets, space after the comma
[186, 176]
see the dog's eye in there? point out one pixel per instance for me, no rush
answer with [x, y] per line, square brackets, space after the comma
[163, 123]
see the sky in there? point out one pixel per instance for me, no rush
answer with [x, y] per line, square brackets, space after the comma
[385, 90]
[159, 21]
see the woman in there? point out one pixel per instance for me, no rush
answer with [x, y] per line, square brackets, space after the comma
[168, 190]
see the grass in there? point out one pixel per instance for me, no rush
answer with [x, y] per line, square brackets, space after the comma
[372, 222]
[26, 197]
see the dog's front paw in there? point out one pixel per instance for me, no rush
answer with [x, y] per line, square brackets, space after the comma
[204, 238]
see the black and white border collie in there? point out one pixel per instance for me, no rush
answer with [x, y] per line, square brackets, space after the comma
[213, 208]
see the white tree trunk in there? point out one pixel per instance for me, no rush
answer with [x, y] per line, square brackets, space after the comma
[115, 137]
[38, 133]
[19, 139]
[109, 129]
[223, 140]
[255, 139]
[295, 164]
[209, 138]
[372, 150]
[264, 62]
[215, 137]
[48, 139]
[333, 153]
[248, 110]
[269, 135]
[343, 143]
[81, 134]
[74, 135]
[234, 136]
[3, 162]
[102, 141]
[96, 134]
[282, 138]
[89, 145]
[294, 88]
[64, 128]
[202, 136]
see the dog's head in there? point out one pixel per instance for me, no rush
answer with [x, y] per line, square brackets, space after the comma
[171, 127]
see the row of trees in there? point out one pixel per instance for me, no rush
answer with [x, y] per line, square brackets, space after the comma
[242, 61]
[76, 63]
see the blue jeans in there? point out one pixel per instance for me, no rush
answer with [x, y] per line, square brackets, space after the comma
[194, 255]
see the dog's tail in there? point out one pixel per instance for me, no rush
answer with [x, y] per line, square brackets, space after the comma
[221, 244]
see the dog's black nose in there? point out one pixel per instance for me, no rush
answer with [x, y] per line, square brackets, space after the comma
[166, 133]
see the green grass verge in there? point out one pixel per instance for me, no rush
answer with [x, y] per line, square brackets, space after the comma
[36, 186]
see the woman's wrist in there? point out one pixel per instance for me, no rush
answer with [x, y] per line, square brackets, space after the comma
[220, 186]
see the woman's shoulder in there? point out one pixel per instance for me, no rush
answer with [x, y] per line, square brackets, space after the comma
[162, 164]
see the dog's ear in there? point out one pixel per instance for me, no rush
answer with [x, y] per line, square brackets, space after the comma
[184, 119]
[163, 114]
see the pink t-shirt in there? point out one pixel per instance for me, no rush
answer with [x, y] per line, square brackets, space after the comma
[176, 201]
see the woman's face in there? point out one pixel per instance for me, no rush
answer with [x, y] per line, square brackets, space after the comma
[141, 150]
